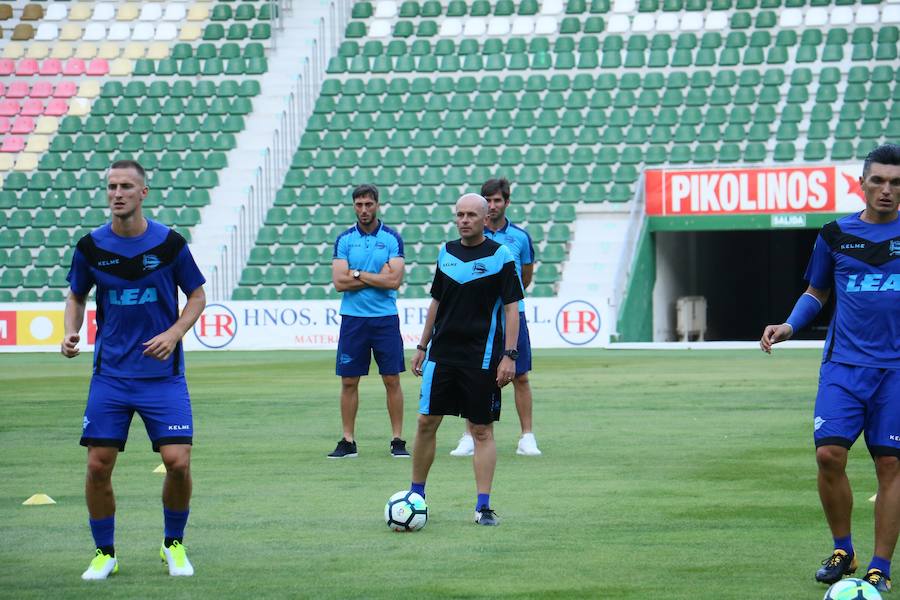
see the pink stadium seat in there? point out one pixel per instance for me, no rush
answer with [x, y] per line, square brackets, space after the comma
[42, 89]
[7, 66]
[23, 126]
[33, 107]
[4, 125]
[65, 89]
[51, 66]
[2, 89]
[27, 67]
[13, 143]
[57, 107]
[98, 66]
[17, 89]
[9, 108]
[74, 66]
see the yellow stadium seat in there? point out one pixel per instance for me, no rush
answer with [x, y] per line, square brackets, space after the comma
[86, 51]
[79, 107]
[108, 50]
[27, 161]
[133, 51]
[70, 32]
[189, 32]
[37, 143]
[121, 67]
[80, 11]
[46, 125]
[6, 163]
[14, 50]
[127, 12]
[38, 50]
[89, 88]
[158, 51]
[61, 51]
[198, 12]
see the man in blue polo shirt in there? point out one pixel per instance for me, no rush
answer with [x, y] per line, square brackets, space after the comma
[137, 266]
[368, 268]
[518, 242]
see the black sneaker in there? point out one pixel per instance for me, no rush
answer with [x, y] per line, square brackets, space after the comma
[878, 580]
[398, 448]
[344, 449]
[836, 566]
[485, 516]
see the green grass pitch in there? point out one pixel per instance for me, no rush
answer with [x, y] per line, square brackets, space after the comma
[669, 474]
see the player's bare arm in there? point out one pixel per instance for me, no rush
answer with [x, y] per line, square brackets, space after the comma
[779, 333]
[390, 277]
[419, 358]
[161, 346]
[506, 370]
[527, 275]
[342, 277]
[73, 319]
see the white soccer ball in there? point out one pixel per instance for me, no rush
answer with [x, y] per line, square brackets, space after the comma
[406, 511]
[852, 589]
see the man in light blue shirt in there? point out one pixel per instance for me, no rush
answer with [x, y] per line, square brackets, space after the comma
[368, 268]
[518, 242]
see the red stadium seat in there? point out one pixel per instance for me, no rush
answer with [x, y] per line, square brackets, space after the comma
[27, 67]
[74, 67]
[22, 126]
[2, 89]
[42, 89]
[17, 89]
[57, 107]
[4, 125]
[32, 107]
[98, 66]
[9, 108]
[13, 143]
[50, 66]
[66, 89]
[7, 66]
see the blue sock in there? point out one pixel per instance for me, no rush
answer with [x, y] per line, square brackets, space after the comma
[174, 522]
[104, 531]
[483, 500]
[845, 544]
[418, 488]
[882, 564]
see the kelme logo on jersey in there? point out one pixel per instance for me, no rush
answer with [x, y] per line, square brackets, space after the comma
[151, 261]
[873, 282]
[132, 296]
[818, 423]
[85, 423]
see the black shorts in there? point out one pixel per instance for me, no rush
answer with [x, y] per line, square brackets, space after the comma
[465, 392]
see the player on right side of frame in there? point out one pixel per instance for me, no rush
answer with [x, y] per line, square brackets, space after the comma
[859, 381]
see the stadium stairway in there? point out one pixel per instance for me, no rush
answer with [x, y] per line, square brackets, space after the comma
[296, 45]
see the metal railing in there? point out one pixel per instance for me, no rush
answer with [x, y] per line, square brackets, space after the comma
[632, 237]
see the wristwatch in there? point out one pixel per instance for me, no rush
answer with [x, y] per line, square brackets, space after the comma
[421, 347]
[356, 274]
[513, 354]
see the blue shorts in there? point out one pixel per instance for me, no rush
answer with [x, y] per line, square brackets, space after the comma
[523, 363]
[852, 400]
[363, 336]
[163, 404]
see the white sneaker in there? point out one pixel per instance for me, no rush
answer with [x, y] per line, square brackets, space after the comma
[176, 559]
[101, 567]
[466, 446]
[528, 446]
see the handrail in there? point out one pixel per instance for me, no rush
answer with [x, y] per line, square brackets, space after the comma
[632, 237]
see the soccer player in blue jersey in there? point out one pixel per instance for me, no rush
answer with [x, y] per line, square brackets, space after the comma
[368, 268]
[517, 240]
[858, 257]
[468, 346]
[137, 266]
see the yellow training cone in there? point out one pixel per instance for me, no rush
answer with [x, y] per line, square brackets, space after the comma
[160, 469]
[39, 499]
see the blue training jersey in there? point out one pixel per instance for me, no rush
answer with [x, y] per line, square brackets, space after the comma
[137, 281]
[519, 244]
[369, 252]
[861, 261]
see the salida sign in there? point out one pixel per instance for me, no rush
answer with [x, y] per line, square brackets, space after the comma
[825, 189]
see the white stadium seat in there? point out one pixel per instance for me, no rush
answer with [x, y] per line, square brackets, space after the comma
[667, 22]
[624, 6]
[143, 32]
[174, 12]
[166, 32]
[716, 21]
[522, 26]
[451, 27]
[790, 17]
[380, 29]
[545, 25]
[643, 22]
[867, 15]
[552, 7]
[841, 15]
[104, 11]
[496, 26]
[385, 9]
[891, 14]
[119, 32]
[150, 12]
[618, 24]
[46, 32]
[475, 26]
[692, 21]
[94, 32]
[816, 17]
[56, 12]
